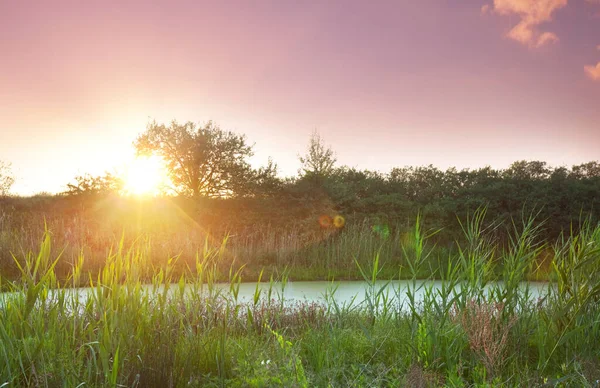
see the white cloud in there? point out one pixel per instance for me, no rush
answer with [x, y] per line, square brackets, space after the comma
[532, 13]
[593, 71]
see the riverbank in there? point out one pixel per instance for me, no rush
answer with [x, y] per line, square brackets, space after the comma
[465, 331]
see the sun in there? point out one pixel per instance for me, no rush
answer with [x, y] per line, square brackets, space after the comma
[145, 176]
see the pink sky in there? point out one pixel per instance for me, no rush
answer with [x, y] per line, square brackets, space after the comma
[450, 83]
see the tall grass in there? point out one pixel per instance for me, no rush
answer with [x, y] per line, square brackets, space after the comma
[307, 250]
[478, 326]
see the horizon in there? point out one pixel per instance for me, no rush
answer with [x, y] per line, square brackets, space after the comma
[153, 191]
[468, 85]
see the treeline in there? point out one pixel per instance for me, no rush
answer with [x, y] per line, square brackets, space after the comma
[558, 197]
[214, 191]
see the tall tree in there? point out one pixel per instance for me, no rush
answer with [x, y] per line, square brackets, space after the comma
[6, 178]
[319, 160]
[202, 160]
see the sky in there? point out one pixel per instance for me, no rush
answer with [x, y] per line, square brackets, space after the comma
[464, 83]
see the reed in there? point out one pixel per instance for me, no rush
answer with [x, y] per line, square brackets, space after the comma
[472, 321]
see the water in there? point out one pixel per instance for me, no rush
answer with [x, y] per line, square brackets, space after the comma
[343, 292]
[356, 291]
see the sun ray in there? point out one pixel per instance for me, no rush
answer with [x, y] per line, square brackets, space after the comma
[145, 176]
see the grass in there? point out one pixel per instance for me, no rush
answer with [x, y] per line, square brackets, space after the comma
[304, 249]
[180, 329]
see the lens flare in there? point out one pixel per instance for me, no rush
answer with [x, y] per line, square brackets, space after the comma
[145, 176]
[325, 221]
[383, 231]
[339, 221]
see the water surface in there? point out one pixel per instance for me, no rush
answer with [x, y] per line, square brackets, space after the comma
[343, 292]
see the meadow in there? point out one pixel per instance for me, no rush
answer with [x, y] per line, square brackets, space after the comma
[149, 323]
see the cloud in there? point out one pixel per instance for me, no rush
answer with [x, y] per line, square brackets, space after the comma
[547, 37]
[593, 71]
[485, 9]
[532, 13]
[593, 1]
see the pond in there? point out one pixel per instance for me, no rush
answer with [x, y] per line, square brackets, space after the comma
[357, 291]
[343, 292]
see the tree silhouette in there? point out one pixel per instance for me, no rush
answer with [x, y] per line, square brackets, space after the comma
[319, 160]
[203, 161]
[94, 185]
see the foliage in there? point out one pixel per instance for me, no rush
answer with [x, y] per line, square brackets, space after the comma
[486, 332]
[6, 178]
[263, 183]
[319, 160]
[204, 161]
[318, 230]
[94, 185]
[187, 330]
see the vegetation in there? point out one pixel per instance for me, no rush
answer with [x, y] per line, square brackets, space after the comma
[291, 224]
[153, 312]
[202, 161]
[319, 161]
[462, 331]
[88, 185]
[6, 178]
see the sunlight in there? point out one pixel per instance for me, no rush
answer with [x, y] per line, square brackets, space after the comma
[145, 176]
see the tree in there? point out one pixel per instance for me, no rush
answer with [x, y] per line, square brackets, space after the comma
[319, 160]
[6, 178]
[525, 170]
[586, 170]
[202, 161]
[94, 185]
[264, 181]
